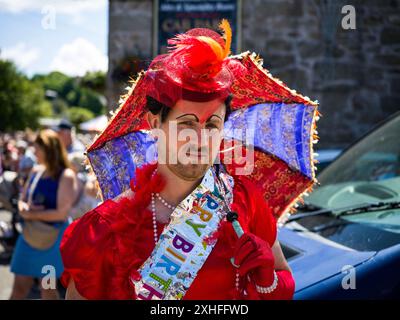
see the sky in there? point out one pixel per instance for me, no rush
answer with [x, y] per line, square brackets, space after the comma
[46, 35]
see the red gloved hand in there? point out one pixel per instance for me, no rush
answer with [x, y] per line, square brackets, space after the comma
[254, 256]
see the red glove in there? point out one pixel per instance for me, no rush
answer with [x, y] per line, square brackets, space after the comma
[254, 256]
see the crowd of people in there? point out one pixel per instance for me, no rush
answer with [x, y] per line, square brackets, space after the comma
[45, 172]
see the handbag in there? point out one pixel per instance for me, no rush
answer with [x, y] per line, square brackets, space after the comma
[38, 234]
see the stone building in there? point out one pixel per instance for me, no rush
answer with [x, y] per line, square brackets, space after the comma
[353, 73]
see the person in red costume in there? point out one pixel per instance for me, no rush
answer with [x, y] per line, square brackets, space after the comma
[104, 250]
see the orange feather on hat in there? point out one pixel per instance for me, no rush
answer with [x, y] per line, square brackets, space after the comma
[203, 54]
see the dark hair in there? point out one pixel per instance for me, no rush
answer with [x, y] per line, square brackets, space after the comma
[156, 107]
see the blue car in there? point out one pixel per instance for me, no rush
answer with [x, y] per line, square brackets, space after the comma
[344, 242]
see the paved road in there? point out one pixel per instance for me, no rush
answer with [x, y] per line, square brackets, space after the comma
[6, 277]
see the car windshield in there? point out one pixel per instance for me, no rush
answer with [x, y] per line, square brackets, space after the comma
[368, 172]
[374, 158]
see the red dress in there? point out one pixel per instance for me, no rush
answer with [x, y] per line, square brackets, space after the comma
[108, 244]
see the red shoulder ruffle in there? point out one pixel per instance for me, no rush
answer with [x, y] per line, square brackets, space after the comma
[108, 244]
[87, 253]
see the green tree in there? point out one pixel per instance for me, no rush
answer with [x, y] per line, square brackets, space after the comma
[60, 107]
[22, 101]
[91, 100]
[78, 115]
[85, 92]
[95, 81]
[55, 81]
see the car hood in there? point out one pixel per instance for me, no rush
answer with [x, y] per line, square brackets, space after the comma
[313, 258]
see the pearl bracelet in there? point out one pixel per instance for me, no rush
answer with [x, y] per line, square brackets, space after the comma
[269, 289]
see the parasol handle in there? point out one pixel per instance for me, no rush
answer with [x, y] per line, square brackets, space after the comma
[232, 217]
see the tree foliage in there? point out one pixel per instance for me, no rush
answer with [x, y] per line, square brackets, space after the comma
[78, 115]
[23, 101]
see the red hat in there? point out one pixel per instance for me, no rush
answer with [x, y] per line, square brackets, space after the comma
[195, 69]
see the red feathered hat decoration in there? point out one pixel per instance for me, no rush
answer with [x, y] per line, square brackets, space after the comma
[195, 68]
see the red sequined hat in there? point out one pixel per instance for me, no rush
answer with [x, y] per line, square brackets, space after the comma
[196, 68]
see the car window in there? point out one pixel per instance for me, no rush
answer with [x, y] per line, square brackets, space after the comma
[375, 158]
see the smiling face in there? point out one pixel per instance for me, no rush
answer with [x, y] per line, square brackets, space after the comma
[189, 138]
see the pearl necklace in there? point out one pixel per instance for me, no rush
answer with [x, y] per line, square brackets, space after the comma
[153, 210]
[165, 203]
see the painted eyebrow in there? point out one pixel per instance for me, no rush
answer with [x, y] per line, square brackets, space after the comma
[197, 119]
[188, 114]
[214, 115]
